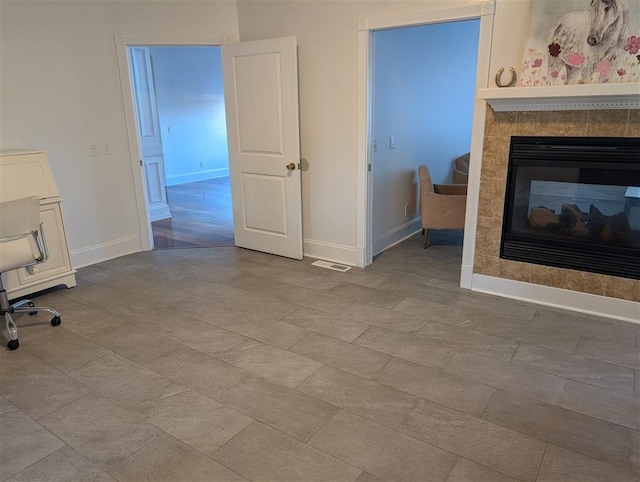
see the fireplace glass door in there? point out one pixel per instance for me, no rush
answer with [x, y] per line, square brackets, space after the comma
[574, 203]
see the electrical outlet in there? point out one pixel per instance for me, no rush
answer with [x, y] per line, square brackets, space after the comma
[93, 149]
[375, 145]
[106, 149]
[201, 165]
[392, 142]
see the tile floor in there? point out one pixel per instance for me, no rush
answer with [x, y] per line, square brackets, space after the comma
[225, 364]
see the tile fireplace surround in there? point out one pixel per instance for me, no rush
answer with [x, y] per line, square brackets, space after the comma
[499, 127]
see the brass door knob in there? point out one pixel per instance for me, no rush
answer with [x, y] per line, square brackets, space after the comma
[291, 167]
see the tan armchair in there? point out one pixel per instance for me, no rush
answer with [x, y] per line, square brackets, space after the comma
[442, 206]
[461, 169]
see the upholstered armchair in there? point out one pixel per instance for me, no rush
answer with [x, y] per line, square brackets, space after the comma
[461, 169]
[442, 206]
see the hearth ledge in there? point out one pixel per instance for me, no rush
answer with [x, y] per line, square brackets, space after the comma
[563, 97]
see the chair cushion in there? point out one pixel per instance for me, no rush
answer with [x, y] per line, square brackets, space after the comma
[16, 253]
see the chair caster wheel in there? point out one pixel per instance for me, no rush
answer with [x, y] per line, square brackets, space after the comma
[31, 313]
[13, 344]
[55, 321]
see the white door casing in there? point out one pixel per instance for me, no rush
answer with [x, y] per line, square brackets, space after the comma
[149, 133]
[261, 100]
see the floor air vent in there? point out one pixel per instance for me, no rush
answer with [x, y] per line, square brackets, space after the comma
[333, 266]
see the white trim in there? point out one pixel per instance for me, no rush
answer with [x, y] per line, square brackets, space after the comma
[564, 97]
[126, 85]
[336, 253]
[197, 176]
[559, 298]
[482, 10]
[156, 213]
[396, 235]
[104, 251]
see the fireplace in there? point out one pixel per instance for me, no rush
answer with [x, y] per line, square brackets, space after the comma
[574, 202]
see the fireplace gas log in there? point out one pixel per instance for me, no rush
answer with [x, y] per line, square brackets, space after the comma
[592, 225]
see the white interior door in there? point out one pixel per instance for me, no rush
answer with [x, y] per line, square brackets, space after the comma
[149, 133]
[261, 99]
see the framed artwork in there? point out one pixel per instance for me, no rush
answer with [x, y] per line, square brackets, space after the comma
[582, 42]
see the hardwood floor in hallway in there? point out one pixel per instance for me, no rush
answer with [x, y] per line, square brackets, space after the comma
[201, 216]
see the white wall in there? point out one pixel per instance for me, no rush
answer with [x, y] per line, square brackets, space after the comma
[60, 92]
[190, 101]
[423, 98]
[327, 33]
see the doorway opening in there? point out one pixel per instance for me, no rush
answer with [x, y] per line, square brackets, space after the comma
[179, 98]
[422, 113]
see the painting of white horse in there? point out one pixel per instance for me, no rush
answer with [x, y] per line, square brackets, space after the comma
[582, 42]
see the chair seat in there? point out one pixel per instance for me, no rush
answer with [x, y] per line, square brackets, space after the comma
[16, 254]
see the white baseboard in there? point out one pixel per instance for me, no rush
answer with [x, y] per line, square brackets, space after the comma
[559, 298]
[197, 176]
[105, 251]
[466, 276]
[396, 235]
[159, 212]
[335, 253]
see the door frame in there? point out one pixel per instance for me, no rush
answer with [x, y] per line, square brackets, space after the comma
[485, 12]
[130, 113]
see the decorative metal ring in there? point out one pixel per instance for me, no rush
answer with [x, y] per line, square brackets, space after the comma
[511, 83]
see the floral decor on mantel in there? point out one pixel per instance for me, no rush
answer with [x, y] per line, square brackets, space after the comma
[582, 42]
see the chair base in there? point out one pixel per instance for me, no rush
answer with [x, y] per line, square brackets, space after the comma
[22, 306]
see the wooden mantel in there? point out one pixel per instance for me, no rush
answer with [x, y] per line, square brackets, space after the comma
[563, 97]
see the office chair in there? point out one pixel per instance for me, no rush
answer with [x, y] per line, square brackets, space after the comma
[22, 245]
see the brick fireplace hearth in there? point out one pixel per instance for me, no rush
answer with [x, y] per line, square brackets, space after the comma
[499, 128]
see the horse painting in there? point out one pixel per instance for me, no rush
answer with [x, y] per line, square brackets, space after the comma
[582, 46]
[581, 40]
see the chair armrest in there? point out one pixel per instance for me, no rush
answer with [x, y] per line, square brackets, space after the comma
[450, 189]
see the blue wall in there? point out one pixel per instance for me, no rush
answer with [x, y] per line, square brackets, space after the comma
[190, 99]
[423, 96]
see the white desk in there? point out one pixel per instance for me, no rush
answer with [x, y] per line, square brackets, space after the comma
[27, 173]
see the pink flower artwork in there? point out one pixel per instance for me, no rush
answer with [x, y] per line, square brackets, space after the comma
[537, 63]
[603, 68]
[621, 72]
[633, 45]
[554, 74]
[575, 59]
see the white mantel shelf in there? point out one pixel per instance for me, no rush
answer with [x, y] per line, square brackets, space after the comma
[563, 97]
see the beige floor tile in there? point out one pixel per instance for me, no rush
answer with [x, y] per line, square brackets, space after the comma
[380, 451]
[201, 336]
[265, 329]
[560, 464]
[604, 404]
[168, 459]
[580, 433]
[13, 359]
[316, 299]
[383, 317]
[507, 376]
[135, 343]
[23, 442]
[339, 354]
[63, 464]
[120, 379]
[270, 362]
[189, 416]
[582, 369]
[606, 351]
[424, 382]
[330, 325]
[100, 430]
[282, 408]
[366, 398]
[261, 453]
[374, 296]
[433, 311]
[467, 471]
[64, 350]
[197, 370]
[262, 304]
[38, 389]
[406, 346]
[485, 443]
[466, 339]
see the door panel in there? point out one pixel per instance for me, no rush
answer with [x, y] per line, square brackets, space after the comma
[261, 99]
[149, 133]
